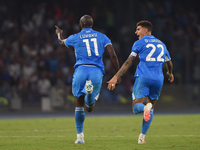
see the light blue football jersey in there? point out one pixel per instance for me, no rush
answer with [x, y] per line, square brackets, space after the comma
[89, 47]
[152, 54]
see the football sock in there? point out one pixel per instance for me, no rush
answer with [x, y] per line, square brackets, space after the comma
[138, 107]
[89, 100]
[79, 119]
[146, 125]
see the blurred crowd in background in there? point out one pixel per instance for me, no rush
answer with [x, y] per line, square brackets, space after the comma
[32, 62]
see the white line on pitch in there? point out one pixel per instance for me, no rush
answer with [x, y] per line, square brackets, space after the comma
[117, 136]
[32, 136]
[152, 136]
[36, 131]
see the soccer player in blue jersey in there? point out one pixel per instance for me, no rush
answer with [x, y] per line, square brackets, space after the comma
[89, 46]
[149, 75]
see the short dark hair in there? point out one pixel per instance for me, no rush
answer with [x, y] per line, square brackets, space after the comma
[86, 21]
[145, 24]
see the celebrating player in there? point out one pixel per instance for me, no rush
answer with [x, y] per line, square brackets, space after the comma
[149, 75]
[89, 47]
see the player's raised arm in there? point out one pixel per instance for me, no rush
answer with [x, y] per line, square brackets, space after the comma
[60, 37]
[169, 66]
[123, 69]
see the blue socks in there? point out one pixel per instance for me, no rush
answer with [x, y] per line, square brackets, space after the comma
[79, 119]
[146, 125]
[138, 107]
[89, 100]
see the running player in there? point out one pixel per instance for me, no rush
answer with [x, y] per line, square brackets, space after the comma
[149, 75]
[89, 47]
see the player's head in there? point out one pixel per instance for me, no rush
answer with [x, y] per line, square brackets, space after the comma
[86, 21]
[143, 28]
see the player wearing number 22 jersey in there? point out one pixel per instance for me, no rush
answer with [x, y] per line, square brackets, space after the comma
[89, 46]
[149, 75]
[152, 54]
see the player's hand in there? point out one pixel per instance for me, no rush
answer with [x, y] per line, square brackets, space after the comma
[171, 77]
[118, 81]
[58, 30]
[112, 83]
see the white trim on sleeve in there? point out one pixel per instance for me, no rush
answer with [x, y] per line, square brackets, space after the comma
[167, 59]
[133, 54]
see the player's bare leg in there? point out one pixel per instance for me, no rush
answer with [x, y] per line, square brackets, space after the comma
[141, 100]
[153, 102]
[80, 101]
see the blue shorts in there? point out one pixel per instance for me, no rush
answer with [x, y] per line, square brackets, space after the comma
[83, 73]
[144, 87]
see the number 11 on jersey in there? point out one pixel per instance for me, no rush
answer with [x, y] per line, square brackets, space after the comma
[94, 40]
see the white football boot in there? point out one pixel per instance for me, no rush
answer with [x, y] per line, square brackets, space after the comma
[89, 87]
[141, 139]
[80, 139]
[147, 114]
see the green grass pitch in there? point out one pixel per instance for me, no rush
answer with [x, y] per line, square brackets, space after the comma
[167, 132]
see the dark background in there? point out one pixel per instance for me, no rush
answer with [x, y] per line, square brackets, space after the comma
[36, 72]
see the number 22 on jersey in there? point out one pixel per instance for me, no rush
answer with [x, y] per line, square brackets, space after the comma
[94, 40]
[149, 56]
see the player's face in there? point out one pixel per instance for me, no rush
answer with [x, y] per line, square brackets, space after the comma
[140, 32]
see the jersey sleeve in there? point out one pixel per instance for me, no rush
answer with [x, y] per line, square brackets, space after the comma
[135, 49]
[69, 41]
[167, 55]
[106, 41]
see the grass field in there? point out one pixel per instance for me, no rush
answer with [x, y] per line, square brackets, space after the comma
[101, 133]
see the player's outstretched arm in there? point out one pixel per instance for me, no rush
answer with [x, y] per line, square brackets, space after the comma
[122, 70]
[60, 37]
[169, 66]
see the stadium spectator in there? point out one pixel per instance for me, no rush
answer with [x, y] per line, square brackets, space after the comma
[44, 85]
[33, 26]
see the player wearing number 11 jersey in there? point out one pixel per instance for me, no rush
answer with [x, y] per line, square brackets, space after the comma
[89, 46]
[149, 76]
